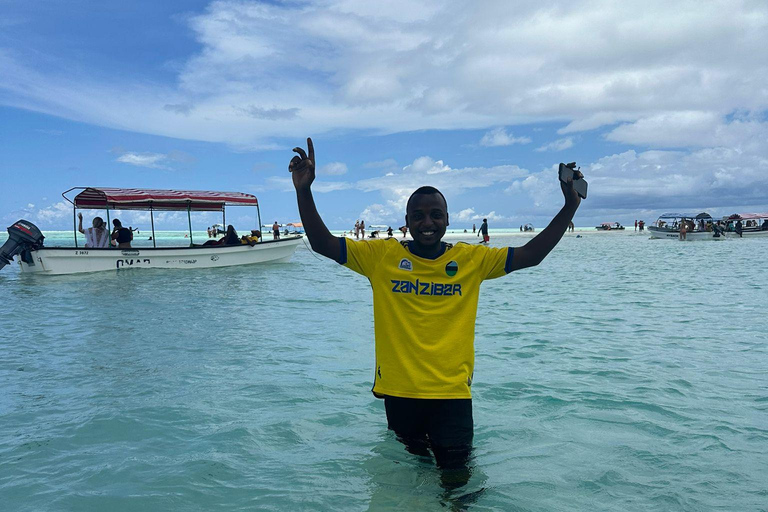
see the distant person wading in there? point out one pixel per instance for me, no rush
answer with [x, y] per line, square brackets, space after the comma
[484, 231]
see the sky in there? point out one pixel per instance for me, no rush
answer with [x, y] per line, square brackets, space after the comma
[662, 104]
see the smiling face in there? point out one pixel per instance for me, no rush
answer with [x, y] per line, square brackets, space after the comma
[427, 218]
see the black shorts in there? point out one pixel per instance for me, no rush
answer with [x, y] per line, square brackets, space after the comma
[444, 426]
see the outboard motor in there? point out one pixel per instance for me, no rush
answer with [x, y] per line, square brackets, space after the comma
[23, 237]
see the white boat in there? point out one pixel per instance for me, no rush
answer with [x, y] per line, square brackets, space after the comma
[751, 224]
[699, 226]
[609, 226]
[26, 243]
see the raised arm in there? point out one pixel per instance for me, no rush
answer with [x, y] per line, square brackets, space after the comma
[302, 168]
[80, 223]
[534, 252]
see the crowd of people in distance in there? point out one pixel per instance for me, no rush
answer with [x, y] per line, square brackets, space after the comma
[359, 231]
[97, 236]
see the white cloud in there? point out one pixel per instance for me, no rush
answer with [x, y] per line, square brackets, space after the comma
[151, 160]
[465, 215]
[333, 169]
[54, 212]
[469, 215]
[691, 129]
[331, 186]
[154, 160]
[271, 70]
[557, 145]
[285, 184]
[397, 187]
[281, 183]
[379, 214]
[500, 137]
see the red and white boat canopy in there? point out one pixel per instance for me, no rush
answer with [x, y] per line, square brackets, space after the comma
[748, 216]
[155, 199]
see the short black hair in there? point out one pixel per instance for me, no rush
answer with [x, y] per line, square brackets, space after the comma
[117, 223]
[425, 191]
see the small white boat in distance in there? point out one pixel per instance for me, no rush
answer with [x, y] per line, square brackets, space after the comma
[699, 226]
[25, 242]
[609, 226]
[752, 224]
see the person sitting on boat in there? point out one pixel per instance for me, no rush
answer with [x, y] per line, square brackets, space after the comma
[96, 236]
[251, 239]
[230, 237]
[122, 236]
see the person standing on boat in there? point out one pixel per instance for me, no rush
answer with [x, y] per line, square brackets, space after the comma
[425, 295]
[122, 236]
[96, 236]
[739, 228]
[276, 231]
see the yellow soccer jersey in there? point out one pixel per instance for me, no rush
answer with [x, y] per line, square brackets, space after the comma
[424, 313]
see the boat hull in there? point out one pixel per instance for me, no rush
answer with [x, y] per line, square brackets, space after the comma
[690, 235]
[58, 261]
[748, 234]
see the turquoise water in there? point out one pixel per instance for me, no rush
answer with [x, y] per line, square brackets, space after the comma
[621, 374]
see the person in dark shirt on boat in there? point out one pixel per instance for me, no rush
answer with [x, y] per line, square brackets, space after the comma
[739, 228]
[230, 238]
[122, 236]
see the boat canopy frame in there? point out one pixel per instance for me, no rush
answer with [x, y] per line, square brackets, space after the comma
[692, 216]
[98, 198]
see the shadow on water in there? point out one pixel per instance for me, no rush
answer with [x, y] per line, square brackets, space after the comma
[406, 478]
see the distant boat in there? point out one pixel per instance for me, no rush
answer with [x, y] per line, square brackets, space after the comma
[752, 224]
[699, 226]
[609, 226]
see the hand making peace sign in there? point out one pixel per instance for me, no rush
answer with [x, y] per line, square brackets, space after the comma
[302, 167]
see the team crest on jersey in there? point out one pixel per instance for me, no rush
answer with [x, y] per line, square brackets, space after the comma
[451, 268]
[405, 264]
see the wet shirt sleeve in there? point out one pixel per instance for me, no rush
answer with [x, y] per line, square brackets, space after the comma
[362, 257]
[495, 261]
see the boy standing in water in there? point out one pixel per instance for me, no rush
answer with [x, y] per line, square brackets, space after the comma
[425, 361]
